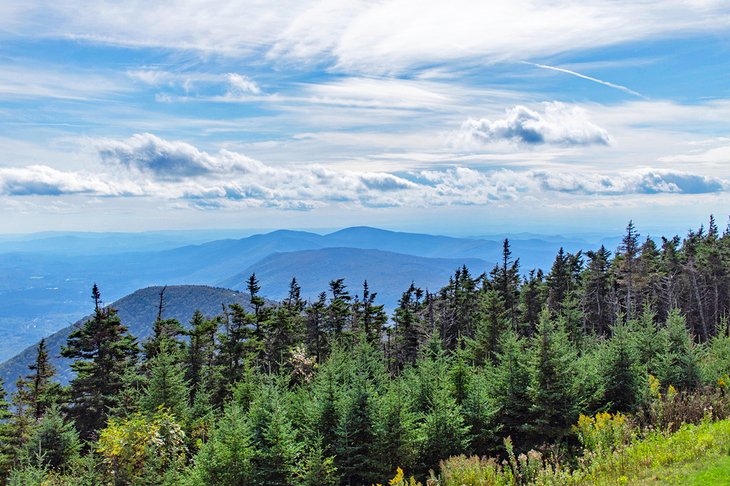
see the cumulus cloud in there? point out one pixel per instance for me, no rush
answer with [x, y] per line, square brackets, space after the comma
[557, 124]
[41, 180]
[171, 170]
[171, 160]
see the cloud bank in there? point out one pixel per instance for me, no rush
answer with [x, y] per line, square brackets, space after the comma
[147, 165]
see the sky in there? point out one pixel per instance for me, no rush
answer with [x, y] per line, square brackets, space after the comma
[459, 117]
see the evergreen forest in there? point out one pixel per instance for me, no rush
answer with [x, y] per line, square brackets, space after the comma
[511, 371]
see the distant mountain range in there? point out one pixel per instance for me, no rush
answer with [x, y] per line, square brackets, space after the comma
[45, 280]
[138, 312]
[387, 273]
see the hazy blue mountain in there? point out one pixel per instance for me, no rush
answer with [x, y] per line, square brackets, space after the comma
[86, 243]
[44, 286]
[138, 312]
[387, 273]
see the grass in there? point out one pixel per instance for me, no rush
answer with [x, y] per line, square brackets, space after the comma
[693, 455]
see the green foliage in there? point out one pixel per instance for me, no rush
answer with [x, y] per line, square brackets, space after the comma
[104, 353]
[166, 387]
[620, 371]
[274, 448]
[226, 459]
[142, 449]
[397, 433]
[315, 394]
[444, 431]
[678, 363]
[554, 405]
[53, 445]
[510, 388]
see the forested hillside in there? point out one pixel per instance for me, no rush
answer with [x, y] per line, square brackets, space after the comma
[138, 311]
[44, 283]
[332, 391]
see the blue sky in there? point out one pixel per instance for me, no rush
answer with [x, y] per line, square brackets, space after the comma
[462, 117]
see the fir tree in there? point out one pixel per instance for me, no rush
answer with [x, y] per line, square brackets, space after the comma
[355, 459]
[620, 371]
[166, 387]
[8, 437]
[554, 404]
[54, 444]
[596, 291]
[104, 352]
[510, 390]
[39, 390]
[275, 450]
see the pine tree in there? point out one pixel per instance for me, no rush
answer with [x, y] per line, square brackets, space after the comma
[104, 352]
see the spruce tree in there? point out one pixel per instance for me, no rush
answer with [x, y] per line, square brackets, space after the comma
[200, 354]
[506, 281]
[409, 330]
[678, 363]
[8, 438]
[626, 264]
[103, 352]
[510, 388]
[620, 372]
[54, 443]
[355, 446]
[493, 321]
[38, 391]
[596, 291]
[275, 450]
[396, 428]
[553, 399]
[166, 387]
[338, 310]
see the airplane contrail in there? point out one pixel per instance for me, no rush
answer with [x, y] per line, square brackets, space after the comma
[595, 80]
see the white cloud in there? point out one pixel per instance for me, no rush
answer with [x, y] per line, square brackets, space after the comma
[171, 160]
[180, 170]
[557, 124]
[240, 84]
[370, 37]
[41, 180]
